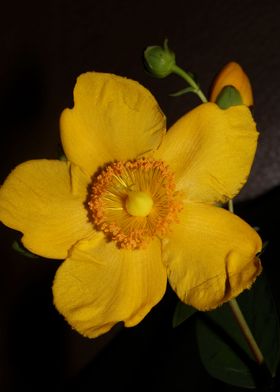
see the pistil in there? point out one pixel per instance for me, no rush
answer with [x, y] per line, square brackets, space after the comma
[138, 203]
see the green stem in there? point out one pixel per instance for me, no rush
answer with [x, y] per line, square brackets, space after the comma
[244, 327]
[238, 315]
[180, 72]
[230, 206]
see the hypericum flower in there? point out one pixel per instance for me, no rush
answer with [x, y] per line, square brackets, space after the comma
[134, 206]
[233, 75]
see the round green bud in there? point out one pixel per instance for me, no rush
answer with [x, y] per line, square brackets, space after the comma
[159, 61]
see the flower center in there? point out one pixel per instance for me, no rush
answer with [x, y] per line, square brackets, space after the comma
[138, 203]
[134, 201]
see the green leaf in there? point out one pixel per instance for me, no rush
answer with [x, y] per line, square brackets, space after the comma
[21, 250]
[265, 245]
[229, 96]
[62, 157]
[182, 313]
[223, 349]
[183, 91]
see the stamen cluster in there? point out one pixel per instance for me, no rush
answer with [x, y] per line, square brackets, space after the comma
[109, 193]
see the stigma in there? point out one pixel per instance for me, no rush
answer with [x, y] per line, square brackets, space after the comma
[138, 203]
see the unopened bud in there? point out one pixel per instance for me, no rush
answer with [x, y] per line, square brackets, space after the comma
[159, 60]
[233, 75]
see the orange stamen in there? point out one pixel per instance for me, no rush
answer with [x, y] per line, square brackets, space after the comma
[109, 193]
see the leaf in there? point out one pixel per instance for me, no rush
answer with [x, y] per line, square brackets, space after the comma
[62, 157]
[229, 96]
[182, 313]
[265, 245]
[21, 250]
[223, 349]
[60, 153]
[183, 91]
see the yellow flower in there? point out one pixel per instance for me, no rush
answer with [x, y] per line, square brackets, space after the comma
[134, 206]
[233, 75]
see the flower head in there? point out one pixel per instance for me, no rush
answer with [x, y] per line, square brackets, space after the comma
[233, 75]
[133, 206]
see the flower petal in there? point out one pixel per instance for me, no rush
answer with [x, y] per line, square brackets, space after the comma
[211, 256]
[114, 118]
[211, 151]
[44, 199]
[100, 285]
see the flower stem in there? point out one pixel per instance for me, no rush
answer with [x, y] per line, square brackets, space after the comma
[244, 327]
[183, 74]
[230, 206]
[238, 315]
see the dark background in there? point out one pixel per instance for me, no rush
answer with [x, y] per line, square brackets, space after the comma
[44, 46]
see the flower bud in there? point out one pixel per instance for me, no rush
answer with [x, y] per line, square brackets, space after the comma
[233, 75]
[159, 60]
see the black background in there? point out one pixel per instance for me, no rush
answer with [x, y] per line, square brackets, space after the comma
[44, 46]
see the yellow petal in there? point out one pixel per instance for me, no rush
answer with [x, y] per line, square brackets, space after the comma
[113, 118]
[44, 199]
[233, 75]
[211, 256]
[100, 285]
[211, 151]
